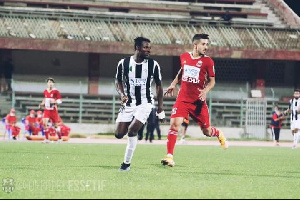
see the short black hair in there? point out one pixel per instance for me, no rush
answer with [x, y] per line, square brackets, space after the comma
[50, 79]
[139, 41]
[200, 36]
[297, 90]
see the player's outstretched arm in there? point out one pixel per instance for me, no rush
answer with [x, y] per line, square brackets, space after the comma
[286, 111]
[160, 111]
[170, 89]
[42, 104]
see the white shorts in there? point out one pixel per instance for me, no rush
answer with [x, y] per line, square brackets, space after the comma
[140, 112]
[295, 124]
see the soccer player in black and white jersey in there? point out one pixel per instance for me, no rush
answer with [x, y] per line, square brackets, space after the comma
[134, 78]
[294, 109]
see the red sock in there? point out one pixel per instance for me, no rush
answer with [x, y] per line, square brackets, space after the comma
[214, 132]
[47, 133]
[172, 137]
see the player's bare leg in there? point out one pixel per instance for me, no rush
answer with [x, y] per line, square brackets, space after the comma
[122, 129]
[172, 138]
[45, 122]
[57, 129]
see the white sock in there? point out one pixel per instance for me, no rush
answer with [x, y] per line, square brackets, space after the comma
[57, 130]
[131, 145]
[295, 139]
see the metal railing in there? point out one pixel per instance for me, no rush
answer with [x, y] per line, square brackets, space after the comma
[227, 104]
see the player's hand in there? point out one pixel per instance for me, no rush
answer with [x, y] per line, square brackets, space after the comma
[170, 91]
[124, 99]
[202, 95]
[41, 105]
[161, 115]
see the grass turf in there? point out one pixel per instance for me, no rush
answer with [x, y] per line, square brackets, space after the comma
[91, 171]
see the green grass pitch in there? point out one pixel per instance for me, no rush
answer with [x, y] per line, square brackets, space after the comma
[34, 170]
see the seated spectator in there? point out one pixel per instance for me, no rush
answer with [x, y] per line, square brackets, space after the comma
[64, 129]
[11, 121]
[30, 124]
[227, 17]
[50, 130]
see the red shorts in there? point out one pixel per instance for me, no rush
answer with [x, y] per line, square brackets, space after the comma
[198, 111]
[52, 115]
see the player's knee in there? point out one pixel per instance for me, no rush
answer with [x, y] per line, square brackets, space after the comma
[174, 127]
[119, 136]
[206, 132]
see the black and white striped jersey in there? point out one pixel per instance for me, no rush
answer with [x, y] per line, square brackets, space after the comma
[137, 79]
[294, 107]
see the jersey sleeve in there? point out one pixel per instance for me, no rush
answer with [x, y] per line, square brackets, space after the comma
[119, 71]
[157, 74]
[290, 105]
[211, 68]
[182, 60]
[58, 97]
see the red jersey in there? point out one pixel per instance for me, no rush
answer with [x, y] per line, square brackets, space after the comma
[11, 119]
[195, 74]
[30, 120]
[50, 98]
[39, 120]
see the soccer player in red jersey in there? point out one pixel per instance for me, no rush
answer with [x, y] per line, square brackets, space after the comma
[11, 121]
[30, 123]
[197, 76]
[50, 102]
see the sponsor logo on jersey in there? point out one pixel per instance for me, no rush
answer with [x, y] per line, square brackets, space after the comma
[199, 64]
[138, 81]
[191, 74]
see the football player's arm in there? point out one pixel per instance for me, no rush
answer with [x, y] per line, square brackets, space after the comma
[160, 113]
[42, 104]
[211, 80]
[288, 110]
[210, 85]
[58, 99]
[177, 79]
[119, 83]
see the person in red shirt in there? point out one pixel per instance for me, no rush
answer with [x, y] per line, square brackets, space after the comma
[30, 123]
[276, 123]
[50, 102]
[64, 129]
[197, 76]
[11, 121]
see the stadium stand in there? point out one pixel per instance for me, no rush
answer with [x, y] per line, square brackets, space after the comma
[210, 11]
